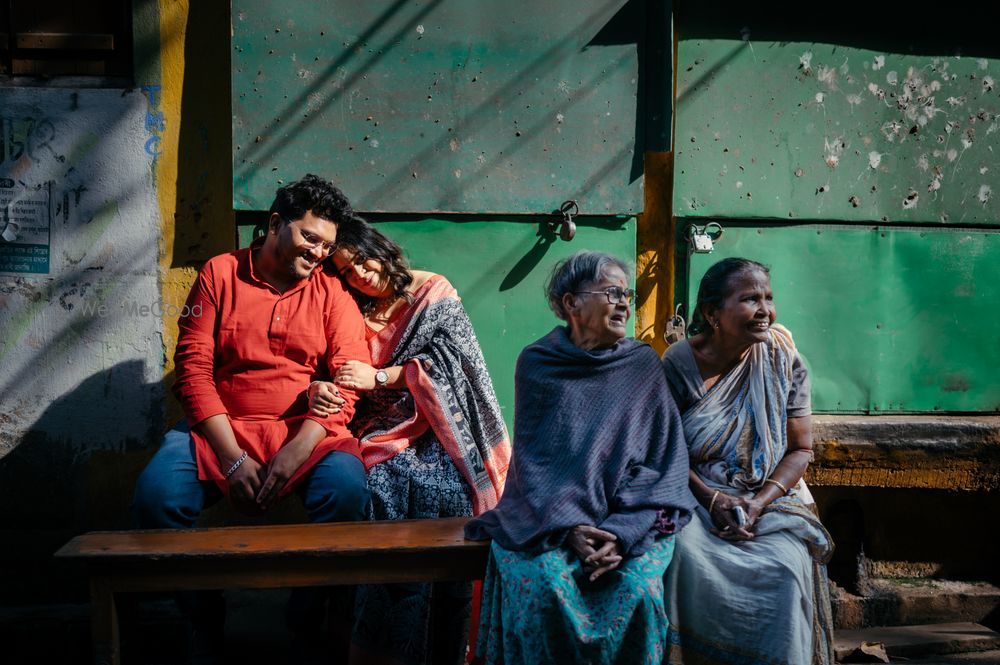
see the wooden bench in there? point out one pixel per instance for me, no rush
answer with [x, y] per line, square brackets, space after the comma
[267, 557]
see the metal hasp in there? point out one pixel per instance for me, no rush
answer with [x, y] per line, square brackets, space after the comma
[566, 227]
[702, 239]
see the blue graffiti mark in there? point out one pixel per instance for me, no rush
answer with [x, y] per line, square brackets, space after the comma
[155, 122]
[153, 146]
[151, 91]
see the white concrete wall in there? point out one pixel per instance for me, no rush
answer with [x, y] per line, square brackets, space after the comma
[81, 351]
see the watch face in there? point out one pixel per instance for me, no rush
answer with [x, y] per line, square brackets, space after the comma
[381, 377]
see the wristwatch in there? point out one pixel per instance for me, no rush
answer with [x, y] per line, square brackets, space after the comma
[381, 378]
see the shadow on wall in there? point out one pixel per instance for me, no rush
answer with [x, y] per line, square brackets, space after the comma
[203, 217]
[53, 487]
[964, 30]
[504, 134]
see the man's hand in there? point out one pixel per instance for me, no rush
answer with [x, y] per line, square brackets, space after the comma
[279, 470]
[324, 399]
[356, 374]
[599, 550]
[243, 487]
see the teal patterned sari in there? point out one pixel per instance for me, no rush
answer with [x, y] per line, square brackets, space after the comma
[542, 609]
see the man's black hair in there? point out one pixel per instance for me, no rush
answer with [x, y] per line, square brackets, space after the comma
[312, 194]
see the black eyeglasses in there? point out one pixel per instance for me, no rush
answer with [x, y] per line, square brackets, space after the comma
[615, 294]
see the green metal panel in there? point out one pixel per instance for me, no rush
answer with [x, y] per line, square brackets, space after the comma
[493, 106]
[499, 267]
[776, 119]
[889, 319]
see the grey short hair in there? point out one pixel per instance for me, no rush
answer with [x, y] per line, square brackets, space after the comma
[576, 273]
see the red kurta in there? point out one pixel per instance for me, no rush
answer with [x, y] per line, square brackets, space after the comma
[248, 351]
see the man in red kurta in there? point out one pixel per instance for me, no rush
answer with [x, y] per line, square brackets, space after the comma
[259, 325]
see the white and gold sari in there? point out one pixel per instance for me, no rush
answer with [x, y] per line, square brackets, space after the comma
[765, 600]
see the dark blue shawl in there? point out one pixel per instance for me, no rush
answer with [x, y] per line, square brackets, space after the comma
[597, 441]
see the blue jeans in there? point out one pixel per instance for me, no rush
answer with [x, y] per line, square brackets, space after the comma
[168, 494]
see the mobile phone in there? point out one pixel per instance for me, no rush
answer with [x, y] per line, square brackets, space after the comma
[741, 515]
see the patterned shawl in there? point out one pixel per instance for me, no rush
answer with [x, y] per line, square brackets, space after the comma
[598, 442]
[741, 421]
[450, 393]
[736, 433]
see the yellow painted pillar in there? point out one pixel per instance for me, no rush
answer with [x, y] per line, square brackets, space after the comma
[655, 252]
[173, 20]
[194, 165]
[655, 265]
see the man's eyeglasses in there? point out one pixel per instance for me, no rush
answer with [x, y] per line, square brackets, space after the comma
[311, 241]
[615, 294]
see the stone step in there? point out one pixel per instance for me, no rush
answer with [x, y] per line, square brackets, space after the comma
[905, 602]
[925, 641]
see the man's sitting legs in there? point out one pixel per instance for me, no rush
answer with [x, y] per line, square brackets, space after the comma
[336, 490]
[168, 494]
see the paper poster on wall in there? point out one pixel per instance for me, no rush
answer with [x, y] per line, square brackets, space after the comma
[25, 220]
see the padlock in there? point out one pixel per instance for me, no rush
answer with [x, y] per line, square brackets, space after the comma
[676, 328]
[702, 242]
[703, 238]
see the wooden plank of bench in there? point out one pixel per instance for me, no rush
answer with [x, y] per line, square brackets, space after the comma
[284, 555]
[267, 557]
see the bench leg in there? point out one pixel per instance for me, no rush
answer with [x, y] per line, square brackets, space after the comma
[104, 622]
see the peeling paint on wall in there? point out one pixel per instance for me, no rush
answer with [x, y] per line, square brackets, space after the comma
[919, 128]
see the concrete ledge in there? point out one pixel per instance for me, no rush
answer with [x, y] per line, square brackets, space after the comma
[929, 452]
[907, 602]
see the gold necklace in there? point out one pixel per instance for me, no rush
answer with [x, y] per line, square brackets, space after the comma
[383, 305]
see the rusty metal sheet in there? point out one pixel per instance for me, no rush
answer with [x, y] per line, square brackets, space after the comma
[805, 119]
[889, 319]
[494, 106]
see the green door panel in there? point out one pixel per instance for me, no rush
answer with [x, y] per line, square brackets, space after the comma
[492, 106]
[889, 319]
[499, 267]
[777, 120]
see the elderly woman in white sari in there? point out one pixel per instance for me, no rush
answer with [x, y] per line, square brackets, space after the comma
[748, 579]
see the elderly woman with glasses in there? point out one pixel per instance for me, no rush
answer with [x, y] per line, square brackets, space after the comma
[597, 487]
